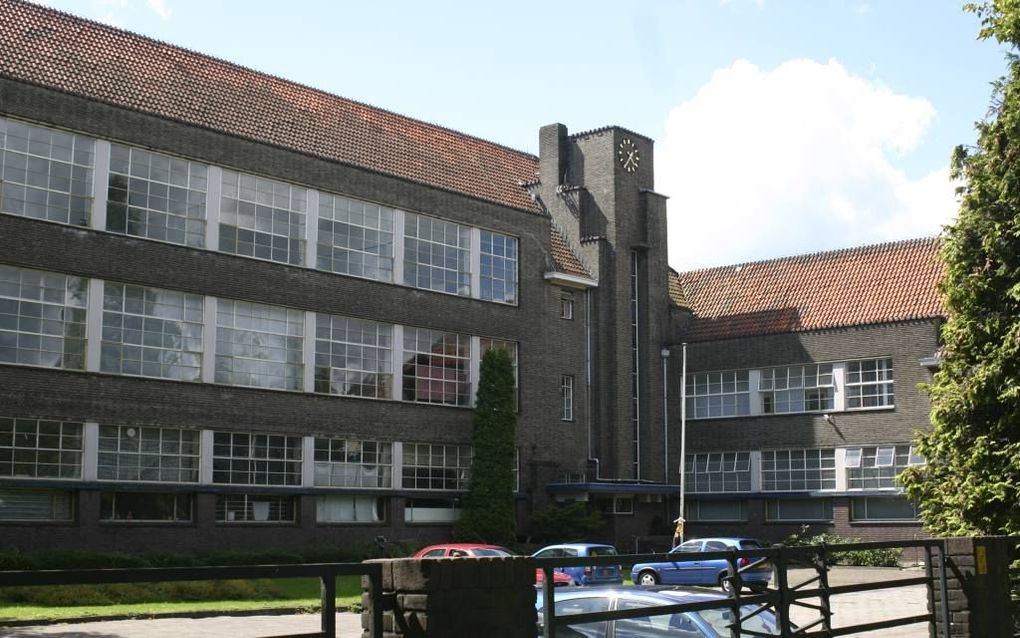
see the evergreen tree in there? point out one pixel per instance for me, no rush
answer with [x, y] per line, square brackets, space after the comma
[971, 484]
[489, 506]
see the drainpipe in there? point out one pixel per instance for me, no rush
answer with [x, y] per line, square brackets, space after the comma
[664, 353]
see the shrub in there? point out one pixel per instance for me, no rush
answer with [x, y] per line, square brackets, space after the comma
[561, 522]
[858, 558]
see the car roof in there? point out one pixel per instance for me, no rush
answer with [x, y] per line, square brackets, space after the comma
[462, 546]
[725, 539]
[576, 546]
[659, 593]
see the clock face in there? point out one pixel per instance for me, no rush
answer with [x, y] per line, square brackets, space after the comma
[628, 156]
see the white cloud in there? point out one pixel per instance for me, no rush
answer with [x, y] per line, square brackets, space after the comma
[159, 8]
[802, 158]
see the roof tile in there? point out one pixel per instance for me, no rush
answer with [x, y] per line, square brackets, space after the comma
[881, 283]
[57, 50]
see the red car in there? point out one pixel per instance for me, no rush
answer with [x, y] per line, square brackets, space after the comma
[456, 550]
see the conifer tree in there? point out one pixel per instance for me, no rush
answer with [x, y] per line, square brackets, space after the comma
[489, 515]
[971, 484]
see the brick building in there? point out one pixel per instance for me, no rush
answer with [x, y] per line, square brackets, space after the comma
[235, 311]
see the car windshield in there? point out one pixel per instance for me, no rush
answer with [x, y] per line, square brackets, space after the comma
[720, 619]
[602, 551]
[750, 545]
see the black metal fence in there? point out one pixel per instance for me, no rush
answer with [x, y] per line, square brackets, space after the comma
[778, 598]
[327, 574]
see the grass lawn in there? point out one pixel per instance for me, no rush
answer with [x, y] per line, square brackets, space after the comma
[292, 592]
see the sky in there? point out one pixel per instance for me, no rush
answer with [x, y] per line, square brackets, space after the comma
[781, 127]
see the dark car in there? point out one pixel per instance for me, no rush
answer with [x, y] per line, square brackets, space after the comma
[594, 575]
[707, 623]
[681, 570]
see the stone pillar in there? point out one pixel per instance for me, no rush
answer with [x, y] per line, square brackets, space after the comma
[456, 597]
[977, 587]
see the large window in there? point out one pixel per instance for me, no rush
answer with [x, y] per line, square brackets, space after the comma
[256, 459]
[42, 318]
[869, 384]
[437, 255]
[352, 463]
[882, 508]
[708, 511]
[145, 507]
[151, 332]
[36, 505]
[259, 346]
[718, 394]
[876, 468]
[498, 267]
[718, 472]
[262, 218]
[350, 509]
[353, 357]
[255, 508]
[436, 367]
[129, 453]
[156, 196]
[355, 238]
[45, 173]
[796, 389]
[798, 470]
[430, 466]
[35, 448]
[814, 509]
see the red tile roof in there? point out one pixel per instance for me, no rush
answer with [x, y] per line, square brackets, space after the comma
[565, 259]
[857, 286]
[60, 51]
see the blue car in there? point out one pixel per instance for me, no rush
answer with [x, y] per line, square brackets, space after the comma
[707, 623]
[585, 575]
[694, 571]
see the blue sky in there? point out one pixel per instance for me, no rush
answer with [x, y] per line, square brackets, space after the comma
[781, 126]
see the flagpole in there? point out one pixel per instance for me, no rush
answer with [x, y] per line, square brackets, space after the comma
[683, 434]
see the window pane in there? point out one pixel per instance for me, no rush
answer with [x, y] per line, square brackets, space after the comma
[353, 357]
[499, 267]
[436, 467]
[436, 367]
[437, 255]
[259, 345]
[364, 464]
[156, 196]
[258, 459]
[42, 318]
[355, 238]
[35, 448]
[262, 218]
[45, 173]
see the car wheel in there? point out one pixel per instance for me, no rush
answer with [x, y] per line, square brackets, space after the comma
[647, 578]
[725, 583]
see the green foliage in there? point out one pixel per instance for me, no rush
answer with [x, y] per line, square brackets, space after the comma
[489, 506]
[971, 484]
[560, 523]
[859, 557]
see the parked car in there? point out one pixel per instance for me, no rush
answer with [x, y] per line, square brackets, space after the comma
[585, 575]
[708, 623]
[455, 550]
[687, 571]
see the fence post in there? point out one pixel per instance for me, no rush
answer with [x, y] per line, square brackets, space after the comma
[783, 592]
[328, 589]
[974, 590]
[375, 593]
[825, 603]
[929, 572]
[736, 584]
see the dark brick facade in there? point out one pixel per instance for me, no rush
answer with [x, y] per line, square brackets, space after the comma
[616, 445]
